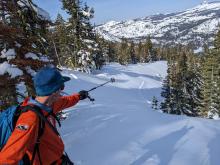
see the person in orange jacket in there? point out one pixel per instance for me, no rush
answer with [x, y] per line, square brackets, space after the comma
[48, 84]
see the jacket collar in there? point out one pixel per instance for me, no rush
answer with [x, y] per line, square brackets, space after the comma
[42, 106]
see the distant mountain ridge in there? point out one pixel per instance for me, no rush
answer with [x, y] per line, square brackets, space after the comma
[197, 25]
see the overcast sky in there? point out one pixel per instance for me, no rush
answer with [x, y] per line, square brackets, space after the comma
[106, 10]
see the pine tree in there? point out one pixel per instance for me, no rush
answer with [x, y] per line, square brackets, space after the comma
[101, 52]
[74, 43]
[86, 28]
[216, 56]
[182, 88]
[173, 89]
[123, 57]
[148, 48]
[82, 39]
[193, 85]
[167, 105]
[176, 91]
[3, 11]
[211, 89]
[59, 41]
[132, 54]
[111, 52]
[217, 41]
[217, 99]
[181, 82]
[208, 88]
[23, 35]
[154, 103]
[140, 52]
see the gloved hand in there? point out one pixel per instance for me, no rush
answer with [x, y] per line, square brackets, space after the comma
[83, 94]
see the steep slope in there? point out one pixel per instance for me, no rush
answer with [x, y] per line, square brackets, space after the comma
[120, 128]
[197, 25]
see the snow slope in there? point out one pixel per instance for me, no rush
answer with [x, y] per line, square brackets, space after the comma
[120, 128]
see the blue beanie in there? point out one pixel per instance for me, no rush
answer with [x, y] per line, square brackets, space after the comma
[48, 80]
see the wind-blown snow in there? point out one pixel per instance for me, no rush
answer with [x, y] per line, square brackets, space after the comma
[120, 128]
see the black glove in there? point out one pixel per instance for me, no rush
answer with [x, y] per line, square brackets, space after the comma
[83, 94]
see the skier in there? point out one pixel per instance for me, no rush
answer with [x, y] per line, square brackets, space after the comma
[48, 84]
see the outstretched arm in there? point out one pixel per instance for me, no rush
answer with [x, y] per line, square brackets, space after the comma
[66, 102]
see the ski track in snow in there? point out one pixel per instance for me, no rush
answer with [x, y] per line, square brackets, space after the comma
[141, 86]
[120, 128]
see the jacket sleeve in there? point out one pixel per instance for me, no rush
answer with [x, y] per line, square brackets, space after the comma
[65, 102]
[22, 138]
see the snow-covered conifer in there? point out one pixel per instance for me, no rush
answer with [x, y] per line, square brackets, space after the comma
[22, 45]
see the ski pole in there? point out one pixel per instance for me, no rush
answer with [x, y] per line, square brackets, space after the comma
[111, 80]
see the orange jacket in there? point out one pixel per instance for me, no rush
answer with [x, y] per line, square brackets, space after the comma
[22, 141]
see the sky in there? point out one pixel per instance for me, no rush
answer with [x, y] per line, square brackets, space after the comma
[119, 10]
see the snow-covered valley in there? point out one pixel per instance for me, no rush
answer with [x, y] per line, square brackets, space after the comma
[120, 127]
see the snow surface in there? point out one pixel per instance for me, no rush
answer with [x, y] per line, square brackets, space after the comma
[43, 14]
[40, 12]
[30, 71]
[181, 27]
[9, 54]
[12, 70]
[21, 89]
[32, 56]
[86, 13]
[120, 128]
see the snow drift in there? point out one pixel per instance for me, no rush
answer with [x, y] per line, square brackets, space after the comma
[120, 128]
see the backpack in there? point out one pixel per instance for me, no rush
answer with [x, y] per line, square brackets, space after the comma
[8, 119]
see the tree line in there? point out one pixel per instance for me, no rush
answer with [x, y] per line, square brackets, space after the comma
[132, 52]
[192, 85]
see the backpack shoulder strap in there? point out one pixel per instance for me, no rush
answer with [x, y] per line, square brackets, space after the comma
[39, 113]
[42, 121]
[40, 133]
[36, 147]
[55, 117]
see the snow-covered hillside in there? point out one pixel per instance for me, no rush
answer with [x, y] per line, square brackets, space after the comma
[120, 128]
[197, 25]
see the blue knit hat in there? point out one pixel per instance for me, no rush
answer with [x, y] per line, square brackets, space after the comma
[48, 80]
